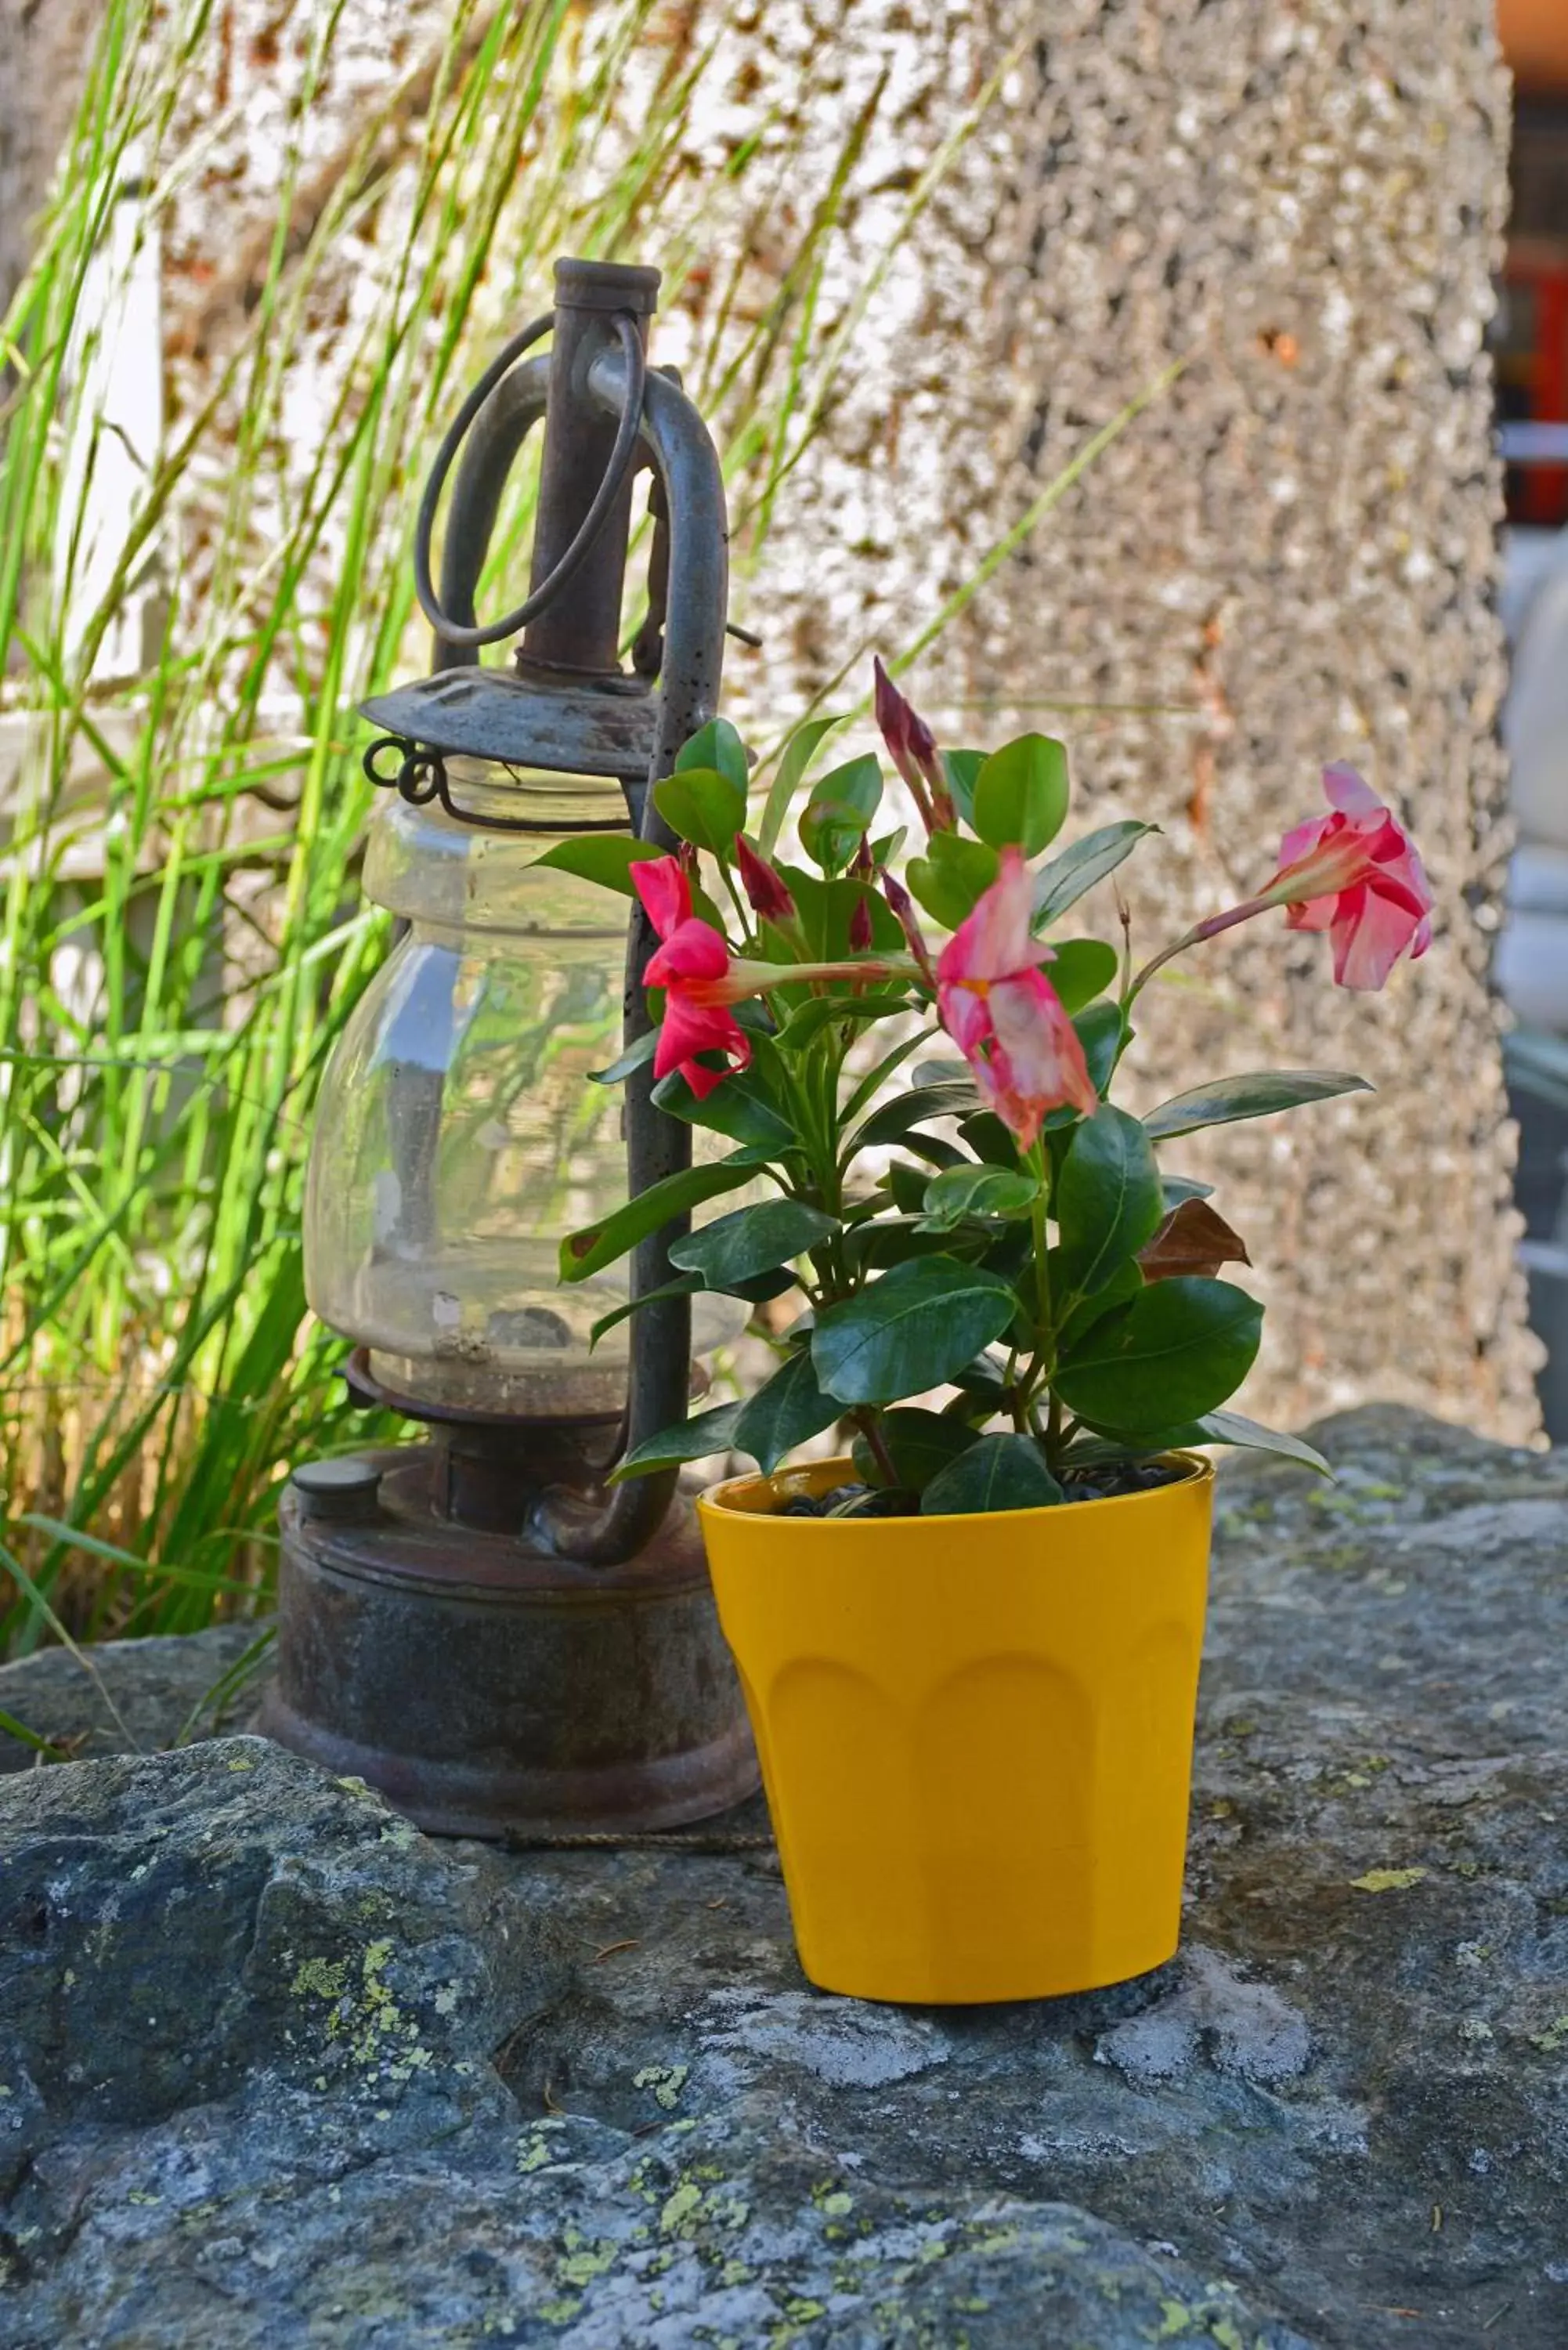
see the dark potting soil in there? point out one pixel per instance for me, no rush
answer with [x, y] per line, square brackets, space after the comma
[1101, 1484]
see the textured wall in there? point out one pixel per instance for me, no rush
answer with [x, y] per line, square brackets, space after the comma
[44, 45]
[1292, 554]
[1289, 557]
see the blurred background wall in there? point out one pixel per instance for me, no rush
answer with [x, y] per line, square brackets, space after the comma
[955, 241]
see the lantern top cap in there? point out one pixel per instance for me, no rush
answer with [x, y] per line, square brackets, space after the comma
[607, 286]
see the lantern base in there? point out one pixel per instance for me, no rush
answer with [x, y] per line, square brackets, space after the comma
[486, 1688]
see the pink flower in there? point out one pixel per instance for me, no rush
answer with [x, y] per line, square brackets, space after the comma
[693, 967]
[1355, 874]
[1004, 1015]
[915, 754]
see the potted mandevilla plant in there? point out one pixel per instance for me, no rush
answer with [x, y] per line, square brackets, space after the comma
[970, 1645]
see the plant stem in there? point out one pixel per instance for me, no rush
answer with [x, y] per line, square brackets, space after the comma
[865, 1422]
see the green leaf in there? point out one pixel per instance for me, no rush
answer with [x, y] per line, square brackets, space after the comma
[830, 833]
[798, 754]
[809, 1020]
[1084, 969]
[1235, 1427]
[606, 858]
[920, 1443]
[1122, 1285]
[896, 1118]
[961, 1191]
[1257, 1095]
[839, 814]
[632, 1058]
[962, 767]
[857, 783]
[1214, 1428]
[1178, 1188]
[597, 1246]
[989, 1138]
[704, 808]
[737, 1108]
[718, 747]
[907, 1185]
[1178, 1350]
[1107, 1200]
[891, 1239]
[912, 1329]
[686, 1287]
[826, 911]
[689, 1440]
[1064, 880]
[997, 1473]
[750, 1241]
[1021, 794]
[788, 1410]
[950, 876]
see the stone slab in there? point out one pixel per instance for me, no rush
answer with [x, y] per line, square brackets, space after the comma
[279, 2069]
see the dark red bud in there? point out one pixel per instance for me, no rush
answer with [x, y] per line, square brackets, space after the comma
[766, 892]
[861, 930]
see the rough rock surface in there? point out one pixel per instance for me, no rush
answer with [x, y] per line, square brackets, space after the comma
[278, 2069]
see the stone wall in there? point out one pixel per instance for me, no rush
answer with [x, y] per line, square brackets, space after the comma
[1290, 557]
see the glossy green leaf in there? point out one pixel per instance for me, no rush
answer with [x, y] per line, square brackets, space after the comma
[1178, 1188]
[686, 1287]
[634, 1058]
[1084, 969]
[827, 908]
[749, 1241]
[738, 1108]
[961, 1191]
[606, 858]
[950, 877]
[1259, 1094]
[893, 1240]
[996, 1472]
[830, 833]
[907, 1185]
[1107, 1200]
[989, 1139]
[1021, 794]
[962, 767]
[910, 1330]
[597, 1246]
[690, 1439]
[1176, 1352]
[920, 1444]
[795, 759]
[1120, 1287]
[809, 1020]
[716, 747]
[895, 1119]
[857, 783]
[703, 807]
[788, 1410]
[1065, 879]
[1214, 1428]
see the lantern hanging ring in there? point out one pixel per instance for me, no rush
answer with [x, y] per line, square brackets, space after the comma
[491, 633]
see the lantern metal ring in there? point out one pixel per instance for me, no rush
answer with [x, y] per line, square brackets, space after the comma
[622, 455]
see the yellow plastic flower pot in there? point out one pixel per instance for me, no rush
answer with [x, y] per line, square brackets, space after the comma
[975, 1732]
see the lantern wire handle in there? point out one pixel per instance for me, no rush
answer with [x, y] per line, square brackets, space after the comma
[491, 633]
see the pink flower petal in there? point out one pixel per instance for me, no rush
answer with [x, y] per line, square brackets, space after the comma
[1349, 792]
[1371, 932]
[693, 950]
[665, 892]
[995, 940]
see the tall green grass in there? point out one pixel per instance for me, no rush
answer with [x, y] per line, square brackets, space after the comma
[179, 946]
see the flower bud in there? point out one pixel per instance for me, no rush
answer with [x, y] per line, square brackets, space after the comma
[764, 891]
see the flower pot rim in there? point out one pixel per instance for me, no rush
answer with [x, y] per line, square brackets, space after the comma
[810, 1474]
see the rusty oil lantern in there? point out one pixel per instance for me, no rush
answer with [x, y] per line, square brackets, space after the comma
[478, 1624]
